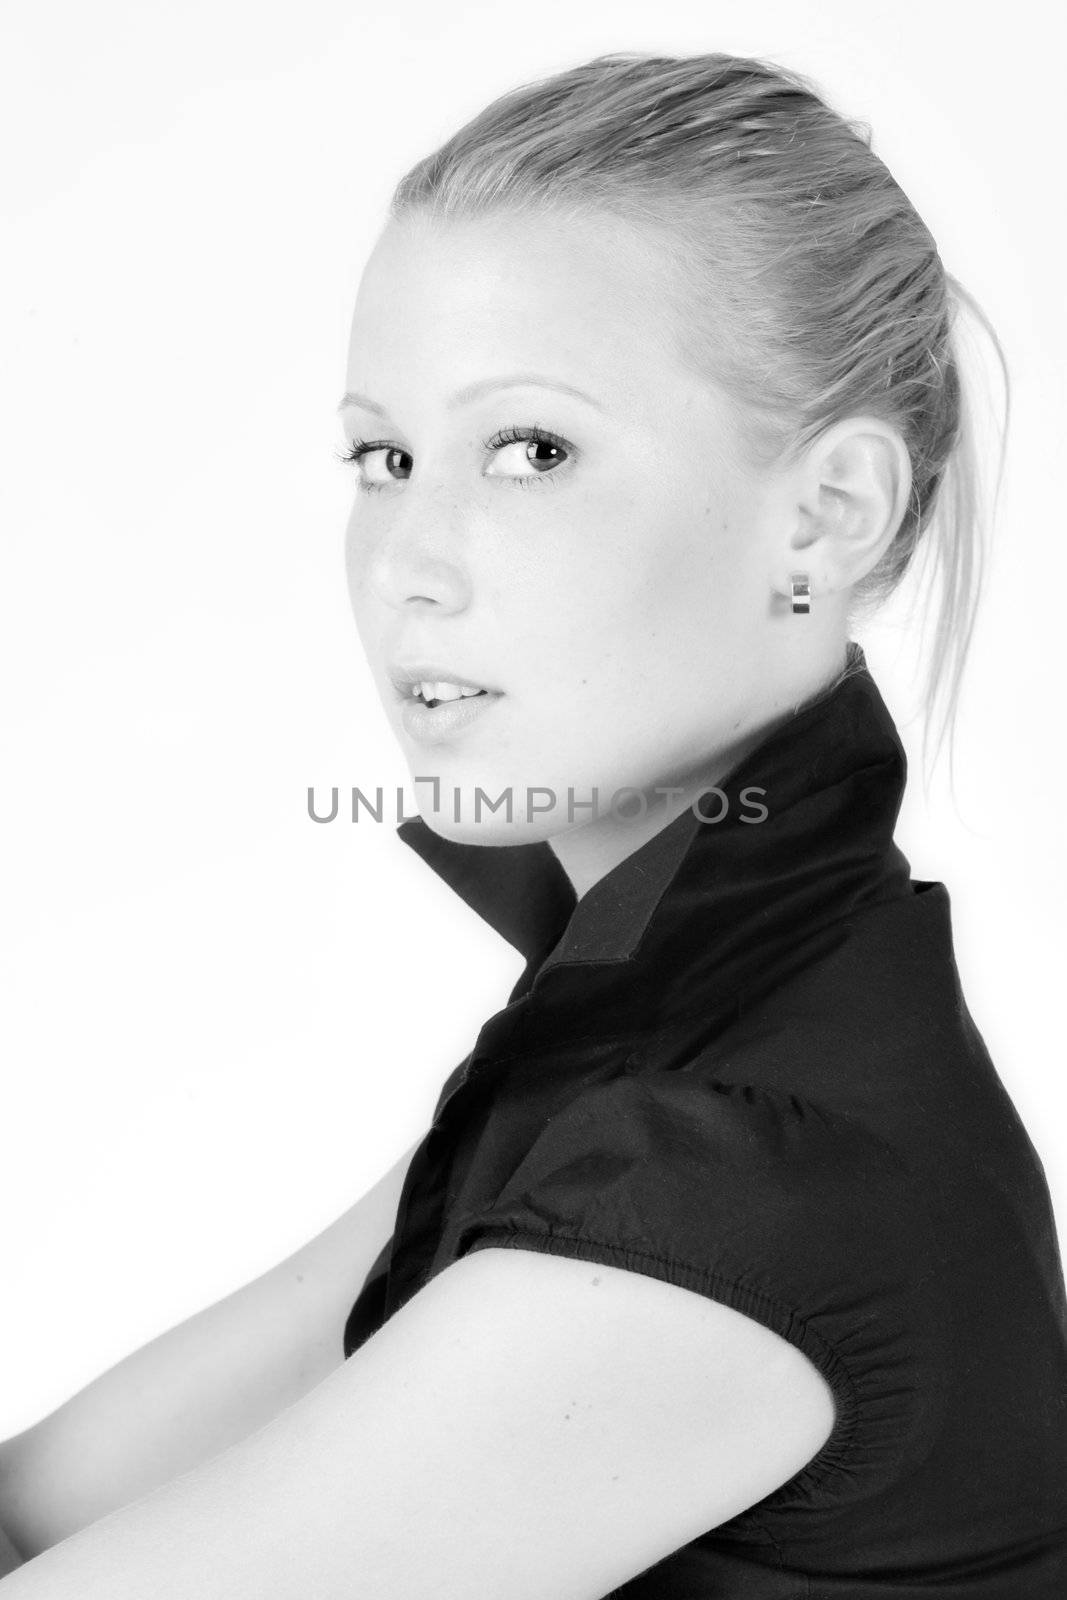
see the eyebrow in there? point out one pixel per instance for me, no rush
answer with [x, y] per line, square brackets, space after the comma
[474, 391]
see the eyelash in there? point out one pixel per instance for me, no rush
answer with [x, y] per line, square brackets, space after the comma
[511, 435]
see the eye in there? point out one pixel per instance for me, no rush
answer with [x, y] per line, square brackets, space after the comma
[547, 458]
[362, 450]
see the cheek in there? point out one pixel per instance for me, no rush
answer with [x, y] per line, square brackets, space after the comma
[361, 553]
[612, 644]
[674, 577]
[670, 617]
[355, 562]
[369, 616]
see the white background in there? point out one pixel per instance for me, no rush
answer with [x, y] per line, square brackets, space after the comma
[220, 1022]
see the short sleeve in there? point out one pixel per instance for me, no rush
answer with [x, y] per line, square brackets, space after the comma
[804, 1220]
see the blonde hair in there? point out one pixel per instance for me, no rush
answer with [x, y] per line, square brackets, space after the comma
[804, 281]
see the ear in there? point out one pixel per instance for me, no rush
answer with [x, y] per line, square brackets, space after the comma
[852, 487]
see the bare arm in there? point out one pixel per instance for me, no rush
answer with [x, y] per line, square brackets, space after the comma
[196, 1389]
[526, 1425]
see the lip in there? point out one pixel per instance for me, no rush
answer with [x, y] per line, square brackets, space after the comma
[436, 724]
[402, 674]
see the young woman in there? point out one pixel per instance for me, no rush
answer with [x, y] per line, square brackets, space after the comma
[726, 1266]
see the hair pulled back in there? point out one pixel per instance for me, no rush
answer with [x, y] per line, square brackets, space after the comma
[805, 282]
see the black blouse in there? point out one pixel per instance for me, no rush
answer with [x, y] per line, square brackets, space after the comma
[742, 1063]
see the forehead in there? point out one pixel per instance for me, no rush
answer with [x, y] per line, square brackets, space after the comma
[507, 253]
[512, 291]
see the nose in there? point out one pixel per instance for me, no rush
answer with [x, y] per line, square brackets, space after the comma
[414, 560]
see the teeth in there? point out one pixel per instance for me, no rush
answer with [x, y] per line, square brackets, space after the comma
[442, 691]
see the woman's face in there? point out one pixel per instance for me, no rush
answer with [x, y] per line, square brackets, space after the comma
[614, 591]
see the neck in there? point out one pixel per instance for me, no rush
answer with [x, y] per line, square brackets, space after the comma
[590, 850]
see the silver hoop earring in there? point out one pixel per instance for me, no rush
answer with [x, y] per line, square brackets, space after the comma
[801, 593]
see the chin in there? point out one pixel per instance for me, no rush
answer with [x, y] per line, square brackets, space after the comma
[490, 828]
[460, 804]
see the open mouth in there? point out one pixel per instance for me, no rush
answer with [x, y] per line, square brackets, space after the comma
[434, 692]
[446, 700]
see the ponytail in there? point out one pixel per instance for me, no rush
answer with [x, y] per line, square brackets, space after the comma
[956, 547]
